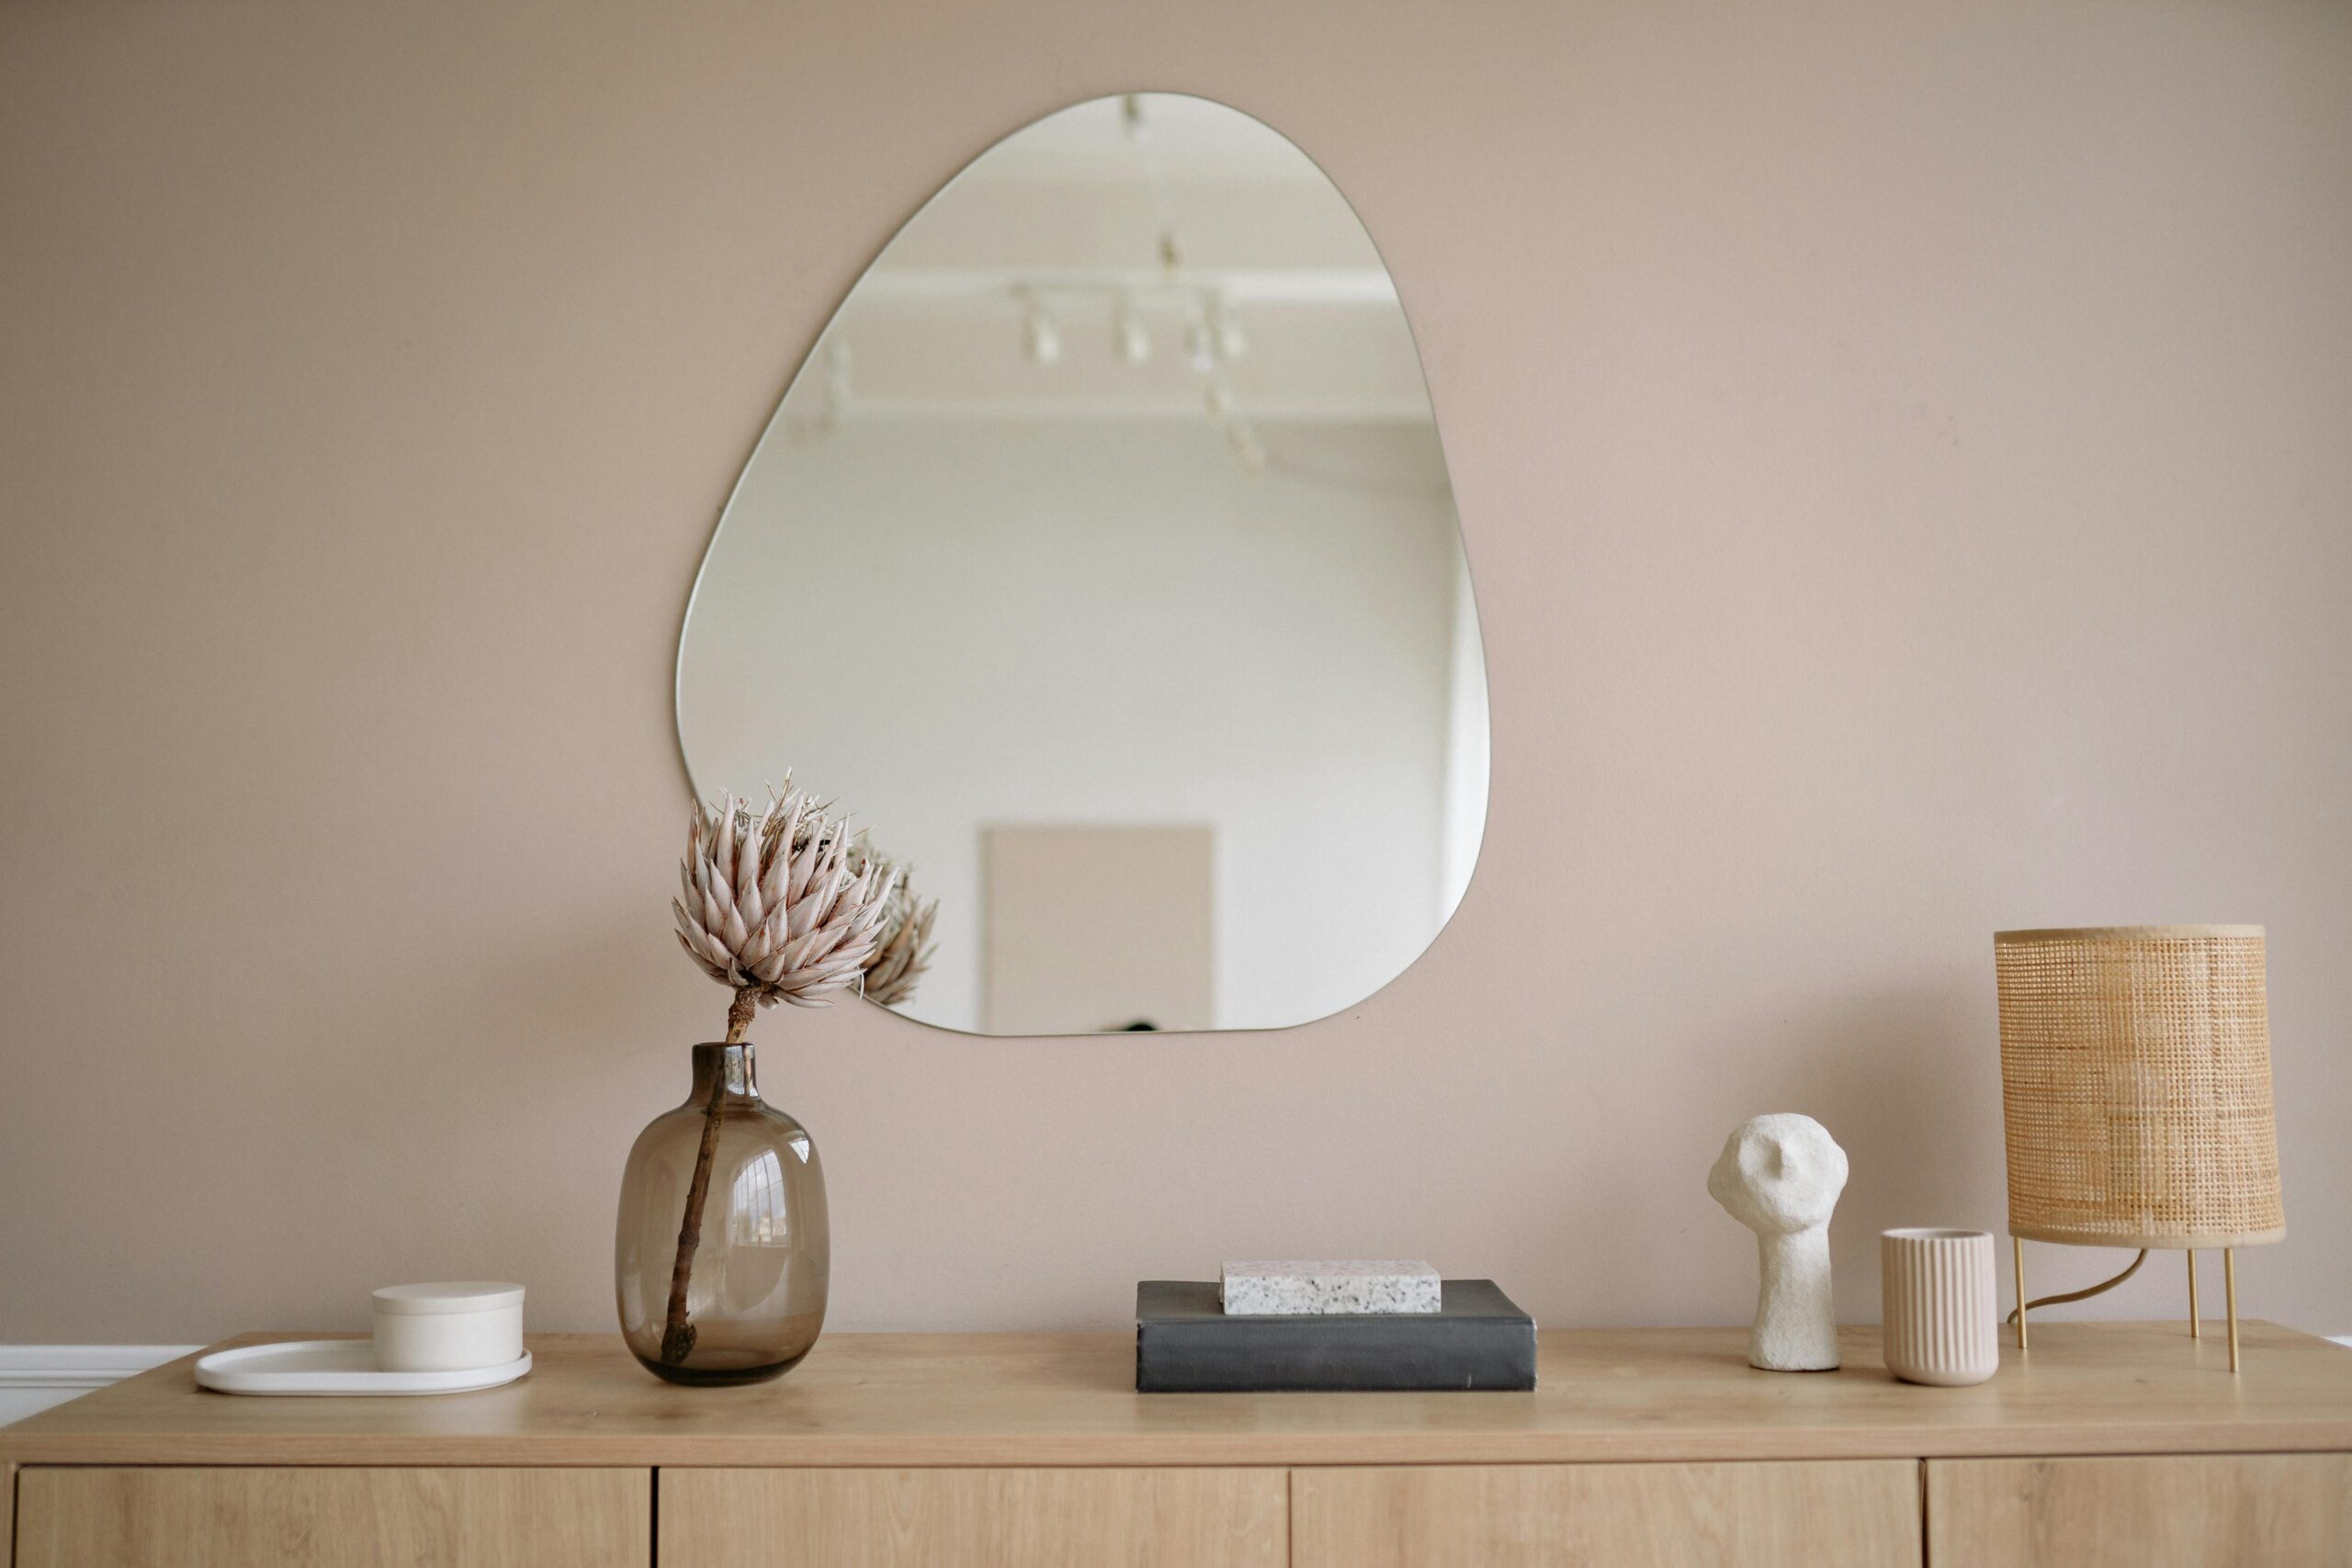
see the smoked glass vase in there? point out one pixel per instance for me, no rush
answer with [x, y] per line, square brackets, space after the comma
[720, 1255]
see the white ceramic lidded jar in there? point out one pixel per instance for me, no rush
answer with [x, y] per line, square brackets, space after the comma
[1941, 1325]
[462, 1325]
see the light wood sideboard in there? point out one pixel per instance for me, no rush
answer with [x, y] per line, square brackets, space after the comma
[2123, 1444]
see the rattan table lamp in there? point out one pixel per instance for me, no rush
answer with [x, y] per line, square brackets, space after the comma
[2135, 1092]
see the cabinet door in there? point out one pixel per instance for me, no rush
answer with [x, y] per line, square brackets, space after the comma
[973, 1519]
[2172, 1511]
[1859, 1514]
[73, 1518]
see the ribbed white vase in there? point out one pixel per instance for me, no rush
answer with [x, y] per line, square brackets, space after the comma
[1941, 1325]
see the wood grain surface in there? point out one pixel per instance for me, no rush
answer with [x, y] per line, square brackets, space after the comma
[353, 1518]
[975, 1518]
[2222, 1511]
[1816, 1514]
[1043, 1399]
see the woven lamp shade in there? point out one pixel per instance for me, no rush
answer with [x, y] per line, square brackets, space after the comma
[2135, 1087]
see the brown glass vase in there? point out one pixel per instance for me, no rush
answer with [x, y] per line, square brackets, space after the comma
[721, 1254]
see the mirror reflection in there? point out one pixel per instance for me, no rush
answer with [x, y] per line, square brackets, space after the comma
[1102, 558]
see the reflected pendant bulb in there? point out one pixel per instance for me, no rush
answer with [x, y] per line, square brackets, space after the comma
[1040, 340]
[1219, 403]
[1200, 352]
[1248, 450]
[1225, 332]
[1127, 330]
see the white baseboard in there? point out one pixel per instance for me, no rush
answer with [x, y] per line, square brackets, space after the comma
[34, 1377]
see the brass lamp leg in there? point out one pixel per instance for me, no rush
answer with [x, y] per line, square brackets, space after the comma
[2194, 1332]
[2230, 1289]
[2016, 1267]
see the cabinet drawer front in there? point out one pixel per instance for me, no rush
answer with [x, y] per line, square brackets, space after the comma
[974, 1518]
[2175, 1511]
[1862, 1514]
[73, 1518]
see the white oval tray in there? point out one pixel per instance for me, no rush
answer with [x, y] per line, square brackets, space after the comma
[343, 1367]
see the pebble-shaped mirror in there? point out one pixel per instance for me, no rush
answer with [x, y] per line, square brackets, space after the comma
[1101, 562]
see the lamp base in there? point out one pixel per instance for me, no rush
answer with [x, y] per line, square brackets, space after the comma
[2196, 1330]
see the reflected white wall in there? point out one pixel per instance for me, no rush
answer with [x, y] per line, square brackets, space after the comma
[1467, 755]
[1109, 621]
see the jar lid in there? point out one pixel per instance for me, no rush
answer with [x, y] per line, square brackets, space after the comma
[456, 1295]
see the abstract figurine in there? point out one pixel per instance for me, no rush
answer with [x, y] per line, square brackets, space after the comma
[1779, 1176]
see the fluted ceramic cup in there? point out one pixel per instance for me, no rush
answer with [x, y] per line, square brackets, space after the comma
[1941, 1325]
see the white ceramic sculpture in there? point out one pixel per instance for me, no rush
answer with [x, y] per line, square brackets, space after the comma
[1779, 1176]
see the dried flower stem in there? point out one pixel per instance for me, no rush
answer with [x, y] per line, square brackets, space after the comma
[677, 1334]
[740, 1011]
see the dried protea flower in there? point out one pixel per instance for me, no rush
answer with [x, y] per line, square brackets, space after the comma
[902, 949]
[771, 904]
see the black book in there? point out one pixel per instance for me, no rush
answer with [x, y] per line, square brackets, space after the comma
[1186, 1344]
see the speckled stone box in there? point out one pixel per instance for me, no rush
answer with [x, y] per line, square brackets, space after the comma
[1306, 1289]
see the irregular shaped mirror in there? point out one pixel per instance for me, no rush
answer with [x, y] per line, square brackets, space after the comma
[1102, 561]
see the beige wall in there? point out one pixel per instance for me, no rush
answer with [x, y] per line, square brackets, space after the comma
[1902, 447]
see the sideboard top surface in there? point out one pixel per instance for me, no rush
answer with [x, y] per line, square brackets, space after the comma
[1069, 1399]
